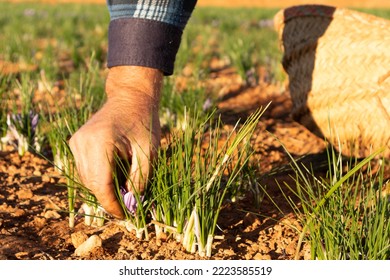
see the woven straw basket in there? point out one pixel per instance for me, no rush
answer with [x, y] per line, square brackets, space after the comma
[338, 64]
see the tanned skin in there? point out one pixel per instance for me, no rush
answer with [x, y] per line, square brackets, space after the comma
[127, 124]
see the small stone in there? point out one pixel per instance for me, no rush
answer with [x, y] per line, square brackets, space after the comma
[39, 222]
[272, 245]
[18, 212]
[37, 173]
[16, 160]
[78, 238]
[259, 256]
[4, 207]
[229, 252]
[25, 202]
[88, 246]
[144, 255]
[306, 251]
[291, 248]
[24, 194]
[10, 179]
[46, 179]
[263, 248]
[255, 247]
[12, 169]
[37, 160]
[51, 214]
[21, 255]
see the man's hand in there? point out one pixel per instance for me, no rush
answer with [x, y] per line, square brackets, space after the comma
[127, 125]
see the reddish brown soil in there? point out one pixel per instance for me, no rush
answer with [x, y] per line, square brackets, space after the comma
[33, 226]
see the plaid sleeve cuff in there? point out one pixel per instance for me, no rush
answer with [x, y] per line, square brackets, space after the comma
[143, 42]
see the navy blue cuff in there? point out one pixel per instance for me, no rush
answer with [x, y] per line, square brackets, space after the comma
[141, 42]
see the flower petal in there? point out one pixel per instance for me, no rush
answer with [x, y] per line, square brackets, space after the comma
[130, 200]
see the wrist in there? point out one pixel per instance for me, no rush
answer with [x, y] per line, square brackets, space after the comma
[135, 84]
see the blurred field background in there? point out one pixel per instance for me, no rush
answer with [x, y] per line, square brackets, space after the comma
[53, 64]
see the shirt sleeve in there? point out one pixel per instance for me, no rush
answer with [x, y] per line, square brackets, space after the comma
[146, 32]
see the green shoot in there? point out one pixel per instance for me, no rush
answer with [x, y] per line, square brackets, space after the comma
[189, 186]
[343, 216]
[133, 221]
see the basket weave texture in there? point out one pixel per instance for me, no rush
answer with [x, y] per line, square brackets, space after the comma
[338, 64]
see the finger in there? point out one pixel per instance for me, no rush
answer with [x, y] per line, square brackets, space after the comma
[95, 171]
[100, 181]
[107, 198]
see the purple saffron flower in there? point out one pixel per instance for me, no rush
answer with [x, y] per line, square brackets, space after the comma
[34, 121]
[23, 123]
[130, 200]
[207, 104]
[21, 131]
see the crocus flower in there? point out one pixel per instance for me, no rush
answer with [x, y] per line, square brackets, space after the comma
[17, 132]
[130, 200]
[207, 104]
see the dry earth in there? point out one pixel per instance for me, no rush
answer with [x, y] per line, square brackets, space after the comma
[33, 226]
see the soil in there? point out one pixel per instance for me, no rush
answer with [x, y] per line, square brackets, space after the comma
[33, 224]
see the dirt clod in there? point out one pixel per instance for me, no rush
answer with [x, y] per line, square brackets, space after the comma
[51, 214]
[78, 238]
[24, 194]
